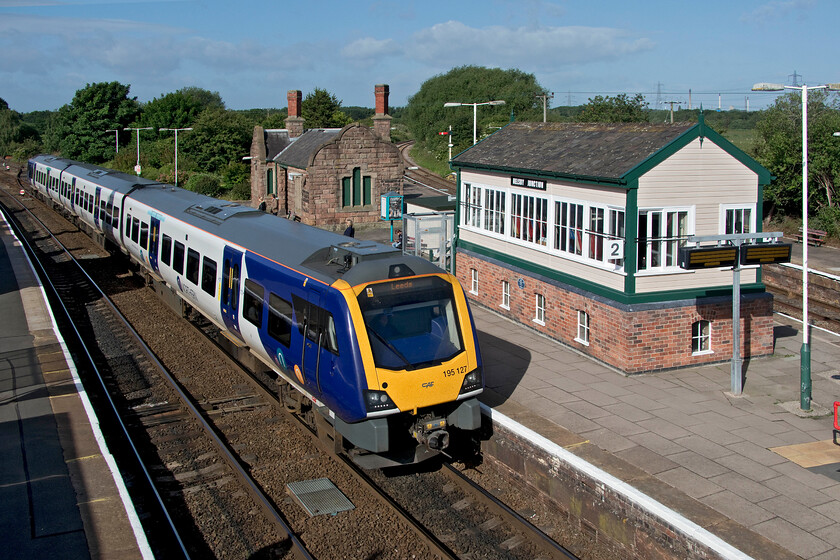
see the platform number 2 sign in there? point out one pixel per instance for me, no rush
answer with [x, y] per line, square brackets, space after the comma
[615, 249]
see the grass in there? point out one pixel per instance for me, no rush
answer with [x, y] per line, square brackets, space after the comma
[427, 160]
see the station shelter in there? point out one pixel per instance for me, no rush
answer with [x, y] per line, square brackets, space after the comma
[324, 176]
[574, 230]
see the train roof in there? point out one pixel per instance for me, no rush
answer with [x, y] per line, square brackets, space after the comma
[321, 254]
[324, 255]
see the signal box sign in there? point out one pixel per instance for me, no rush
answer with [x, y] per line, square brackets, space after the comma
[765, 253]
[698, 258]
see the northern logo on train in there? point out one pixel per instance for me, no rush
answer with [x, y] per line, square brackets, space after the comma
[298, 373]
[281, 359]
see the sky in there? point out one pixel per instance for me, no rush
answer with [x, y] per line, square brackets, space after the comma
[252, 52]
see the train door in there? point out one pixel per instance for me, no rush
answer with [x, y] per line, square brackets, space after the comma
[97, 198]
[154, 240]
[231, 272]
[72, 195]
[319, 340]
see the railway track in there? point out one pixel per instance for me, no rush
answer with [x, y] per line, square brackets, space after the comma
[181, 457]
[464, 527]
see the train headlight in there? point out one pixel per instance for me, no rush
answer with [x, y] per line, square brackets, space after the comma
[376, 401]
[473, 381]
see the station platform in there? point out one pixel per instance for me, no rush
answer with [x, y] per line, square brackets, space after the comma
[752, 475]
[60, 491]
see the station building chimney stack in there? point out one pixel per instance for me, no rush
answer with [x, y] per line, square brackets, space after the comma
[294, 122]
[381, 119]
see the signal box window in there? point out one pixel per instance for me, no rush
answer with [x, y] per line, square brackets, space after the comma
[252, 302]
[583, 328]
[208, 276]
[701, 337]
[505, 294]
[539, 309]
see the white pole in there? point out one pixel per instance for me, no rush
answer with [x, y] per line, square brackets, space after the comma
[805, 355]
[475, 123]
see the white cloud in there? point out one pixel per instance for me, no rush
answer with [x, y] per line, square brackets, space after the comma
[452, 43]
[777, 9]
[369, 48]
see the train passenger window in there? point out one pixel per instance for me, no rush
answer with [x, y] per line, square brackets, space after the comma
[128, 226]
[252, 302]
[166, 250]
[193, 259]
[135, 230]
[280, 319]
[102, 214]
[144, 235]
[115, 219]
[178, 258]
[208, 276]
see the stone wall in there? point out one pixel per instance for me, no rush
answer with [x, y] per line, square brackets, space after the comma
[356, 146]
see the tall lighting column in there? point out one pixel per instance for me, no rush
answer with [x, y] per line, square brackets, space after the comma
[805, 352]
[176, 148]
[137, 168]
[475, 113]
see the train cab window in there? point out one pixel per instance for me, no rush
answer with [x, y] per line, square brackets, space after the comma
[144, 235]
[280, 319]
[252, 302]
[193, 258]
[178, 258]
[208, 276]
[166, 250]
[135, 230]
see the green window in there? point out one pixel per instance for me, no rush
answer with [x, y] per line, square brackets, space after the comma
[355, 190]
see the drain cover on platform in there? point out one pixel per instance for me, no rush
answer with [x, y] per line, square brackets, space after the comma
[319, 496]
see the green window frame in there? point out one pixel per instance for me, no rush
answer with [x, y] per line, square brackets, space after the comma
[356, 189]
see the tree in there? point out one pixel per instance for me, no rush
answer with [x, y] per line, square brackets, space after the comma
[177, 110]
[320, 109]
[426, 116]
[618, 109]
[219, 137]
[779, 149]
[79, 128]
[16, 136]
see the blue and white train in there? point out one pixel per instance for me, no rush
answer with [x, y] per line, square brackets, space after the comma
[381, 344]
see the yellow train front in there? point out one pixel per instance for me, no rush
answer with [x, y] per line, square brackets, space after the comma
[422, 366]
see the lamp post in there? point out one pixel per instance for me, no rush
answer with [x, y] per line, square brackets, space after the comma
[176, 148]
[137, 168]
[805, 352]
[475, 113]
[116, 132]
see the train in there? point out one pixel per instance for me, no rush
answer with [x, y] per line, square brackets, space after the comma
[379, 347]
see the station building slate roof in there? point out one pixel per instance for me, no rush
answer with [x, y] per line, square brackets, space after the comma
[276, 140]
[576, 150]
[300, 150]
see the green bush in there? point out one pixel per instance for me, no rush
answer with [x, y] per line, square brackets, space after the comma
[828, 220]
[204, 183]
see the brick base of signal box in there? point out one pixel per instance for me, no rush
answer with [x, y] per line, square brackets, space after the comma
[634, 339]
